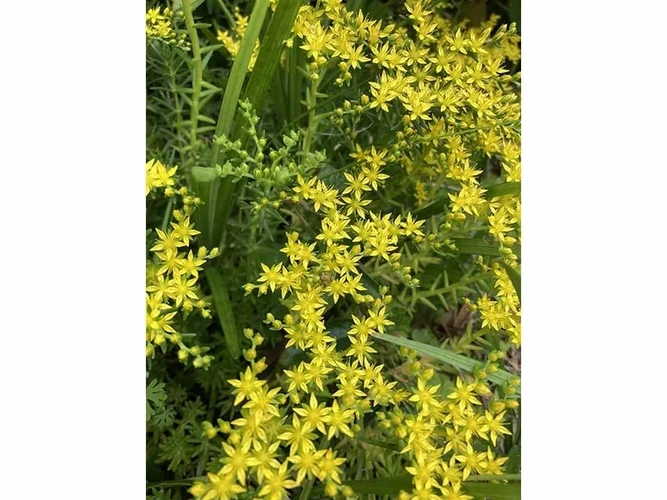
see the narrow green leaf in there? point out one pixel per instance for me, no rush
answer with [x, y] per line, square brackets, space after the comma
[203, 174]
[270, 51]
[478, 488]
[494, 477]
[514, 459]
[238, 73]
[476, 246]
[457, 360]
[503, 189]
[209, 218]
[222, 198]
[479, 246]
[434, 208]
[490, 491]
[381, 444]
[224, 309]
[211, 48]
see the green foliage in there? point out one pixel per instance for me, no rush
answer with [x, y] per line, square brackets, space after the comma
[155, 398]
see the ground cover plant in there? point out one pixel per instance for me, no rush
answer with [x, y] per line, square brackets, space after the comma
[333, 249]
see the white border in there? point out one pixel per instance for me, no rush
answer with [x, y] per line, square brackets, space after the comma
[73, 146]
[72, 253]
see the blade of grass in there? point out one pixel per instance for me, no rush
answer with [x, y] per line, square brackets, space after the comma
[493, 477]
[473, 486]
[457, 360]
[270, 51]
[503, 189]
[238, 74]
[224, 309]
[222, 190]
[511, 491]
[478, 246]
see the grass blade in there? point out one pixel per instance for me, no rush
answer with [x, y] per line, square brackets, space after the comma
[270, 51]
[511, 491]
[457, 360]
[224, 309]
[503, 189]
[475, 485]
[210, 192]
[478, 246]
[221, 201]
[238, 74]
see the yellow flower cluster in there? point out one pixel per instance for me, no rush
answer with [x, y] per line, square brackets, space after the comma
[160, 24]
[459, 107]
[293, 434]
[172, 271]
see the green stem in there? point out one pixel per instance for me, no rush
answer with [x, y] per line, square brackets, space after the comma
[197, 72]
[311, 102]
[228, 14]
[307, 486]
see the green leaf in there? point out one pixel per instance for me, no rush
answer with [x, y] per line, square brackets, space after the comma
[224, 309]
[270, 51]
[203, 174]
[238, 73]
[432, 209]
[513, 464]
[154, 394]
[503, 189]
[457, 360]
[392, 446]
[222, 191]
[479, 246]
[476, 246]
[490, 491]
[474, 486]
[494, 477]
[213, 219]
